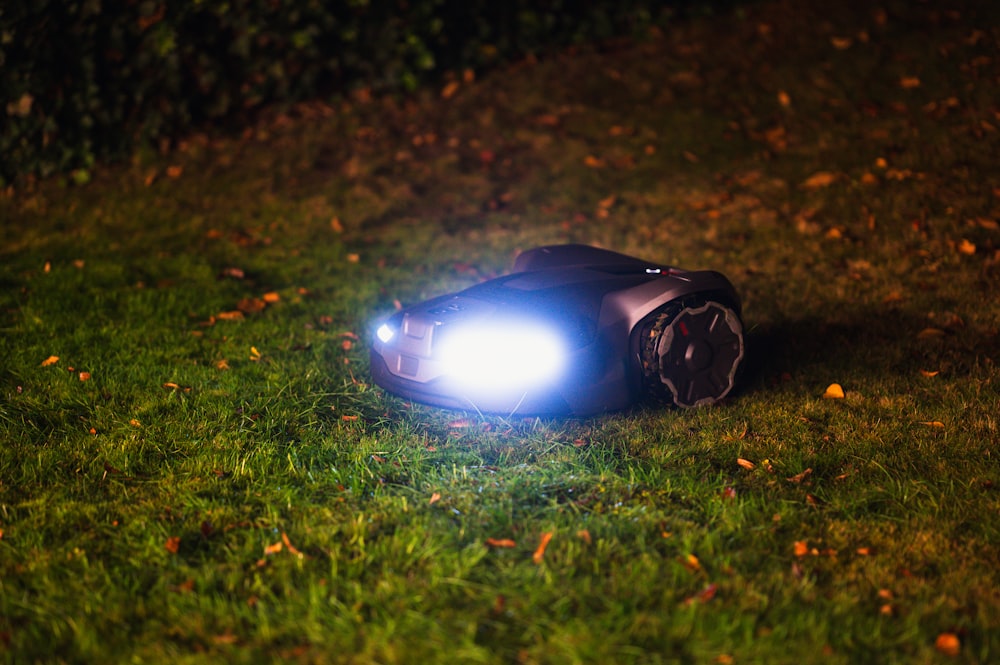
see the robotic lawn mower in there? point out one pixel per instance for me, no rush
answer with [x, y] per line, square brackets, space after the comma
[574, 330]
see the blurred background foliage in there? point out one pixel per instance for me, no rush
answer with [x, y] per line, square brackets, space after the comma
[86, 80]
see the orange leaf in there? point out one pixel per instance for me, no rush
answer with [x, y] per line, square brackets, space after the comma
[273, 549]
[435, 497]
[966, 247]
[746, 464]
[271, 297]
[929, 373]
[135, 423]
[931, 423]
[584, 535]
[691, 562]
[500, 542]
[288, 544]
[85, 376]
[234, 315]
[819, 179]
[834, 391]
[801, 548]
[948, 644]
[540, 551]
[51, 360]
[173, 544]
[928, 333]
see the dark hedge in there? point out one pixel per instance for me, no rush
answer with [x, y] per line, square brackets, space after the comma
[86, 80]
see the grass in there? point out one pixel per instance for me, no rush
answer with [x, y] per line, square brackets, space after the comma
[188, 484]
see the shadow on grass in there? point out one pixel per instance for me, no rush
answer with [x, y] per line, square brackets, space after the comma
[864, 343]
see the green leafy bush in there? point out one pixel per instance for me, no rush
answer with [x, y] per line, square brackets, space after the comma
[86, 80]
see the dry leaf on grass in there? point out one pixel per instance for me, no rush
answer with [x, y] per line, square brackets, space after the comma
[948, 644]
[500, 542]
[819, 179]
[540, 551]
[51, 360]
[834, 391]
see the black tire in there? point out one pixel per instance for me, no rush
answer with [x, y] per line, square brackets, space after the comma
[691, 352]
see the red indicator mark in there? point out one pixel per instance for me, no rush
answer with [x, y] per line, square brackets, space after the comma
[684, 328]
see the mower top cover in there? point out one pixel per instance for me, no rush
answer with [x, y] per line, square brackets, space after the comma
[573, 331]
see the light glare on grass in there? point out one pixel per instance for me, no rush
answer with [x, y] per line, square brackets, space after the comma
[503, 357]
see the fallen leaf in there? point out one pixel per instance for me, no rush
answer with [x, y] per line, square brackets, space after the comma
[271, 297]
[540, 551]
[784, 99]
[746, 464]
[273, 549]
[254, 353]
[435, 497]
[171, 385]
[288, 544]
[449, 90]
[84, 376]
[135, 423]
[593, 162]
[930, 333]
[222, 364]
[948, 644]
[691, 562]
[799, 477]
[909, 82]
[703, 596]
[173, 544]
[819, 179]
[460, 423]
[349, 418]
[174, 172]
[863, 551]
[251, 305]
[500, 542]
[800, 548]
[584, 535]
[966, 247]
[931, 423]
[929, 373]
[51, 360]
[234, 315]
[834, 391]
[841, 43]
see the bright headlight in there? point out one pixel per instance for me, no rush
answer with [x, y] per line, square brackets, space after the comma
[503, 357]
[385, 333]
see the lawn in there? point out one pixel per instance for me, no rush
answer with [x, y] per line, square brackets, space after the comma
[195, 466]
